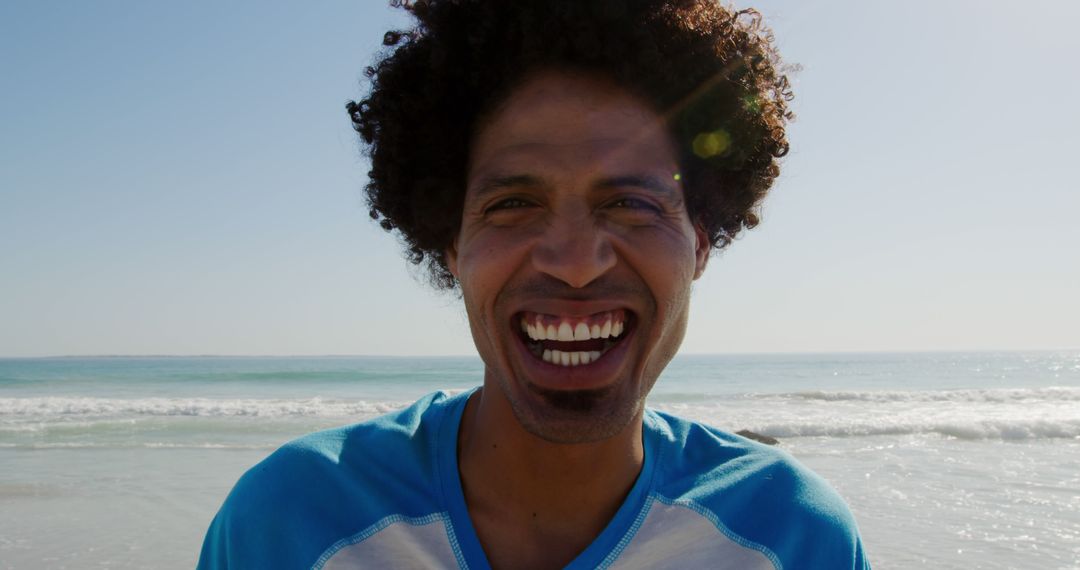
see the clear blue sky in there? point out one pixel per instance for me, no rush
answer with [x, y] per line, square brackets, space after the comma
[180, 178]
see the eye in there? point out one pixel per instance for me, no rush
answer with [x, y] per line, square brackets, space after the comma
[633, 211]
[631, 203]
[507, 204]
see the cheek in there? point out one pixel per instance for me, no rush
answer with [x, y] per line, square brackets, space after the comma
[667, 267]
[490, 253]
[485, 265]
[666, 260]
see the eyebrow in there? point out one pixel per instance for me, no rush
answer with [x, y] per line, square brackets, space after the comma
[652, 183]
[496, 183]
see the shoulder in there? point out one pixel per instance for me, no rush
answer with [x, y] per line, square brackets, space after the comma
[359, 456]
[755, 494]
[320, 487]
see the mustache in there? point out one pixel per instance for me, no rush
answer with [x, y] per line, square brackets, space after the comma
[547, 287]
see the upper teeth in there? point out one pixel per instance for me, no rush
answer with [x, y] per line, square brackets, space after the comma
[564, 329]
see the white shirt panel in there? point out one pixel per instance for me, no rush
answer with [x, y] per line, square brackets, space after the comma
[399, 545]
[677, 537]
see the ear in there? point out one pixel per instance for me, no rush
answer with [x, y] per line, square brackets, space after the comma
[702, 248]
[451, 257]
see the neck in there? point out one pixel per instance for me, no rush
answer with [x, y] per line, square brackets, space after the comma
[514, 479]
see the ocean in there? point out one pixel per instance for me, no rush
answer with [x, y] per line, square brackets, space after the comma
[948, 460]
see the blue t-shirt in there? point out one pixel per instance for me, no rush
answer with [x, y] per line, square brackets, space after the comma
[386, 494]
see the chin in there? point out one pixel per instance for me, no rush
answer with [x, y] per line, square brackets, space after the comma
[573, 416]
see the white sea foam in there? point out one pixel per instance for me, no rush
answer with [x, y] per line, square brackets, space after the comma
[996, 395]
[1011, 414]
[230, 407]
[135, 445]
[1016, 429]
[972, 425]
[201, 407]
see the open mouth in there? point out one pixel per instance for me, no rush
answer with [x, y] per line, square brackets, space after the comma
[573, 341]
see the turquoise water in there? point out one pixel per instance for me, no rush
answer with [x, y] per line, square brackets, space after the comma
[952, 460]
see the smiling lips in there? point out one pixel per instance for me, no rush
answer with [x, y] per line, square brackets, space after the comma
[572, 341]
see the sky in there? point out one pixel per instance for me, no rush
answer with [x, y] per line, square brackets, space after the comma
[181, 178]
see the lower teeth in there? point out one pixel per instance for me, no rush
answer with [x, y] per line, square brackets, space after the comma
[569, 358]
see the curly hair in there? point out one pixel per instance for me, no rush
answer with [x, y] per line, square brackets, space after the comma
[712, 72]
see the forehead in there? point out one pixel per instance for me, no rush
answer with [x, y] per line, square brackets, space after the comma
[571, 119]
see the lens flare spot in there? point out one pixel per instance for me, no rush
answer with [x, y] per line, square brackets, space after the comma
[677, 177]
[711, 144]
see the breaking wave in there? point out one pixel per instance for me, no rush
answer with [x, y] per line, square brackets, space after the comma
[977, 414]
[1002, 395]
[199, 407]
[1013, 429]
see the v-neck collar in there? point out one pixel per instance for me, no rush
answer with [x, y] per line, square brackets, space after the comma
[462, 533]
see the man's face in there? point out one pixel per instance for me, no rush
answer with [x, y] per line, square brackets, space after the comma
[575, 255]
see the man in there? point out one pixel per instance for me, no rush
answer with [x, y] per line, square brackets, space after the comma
[569, 165]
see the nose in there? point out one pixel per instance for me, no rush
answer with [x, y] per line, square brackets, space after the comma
[574, 249]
